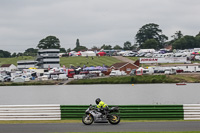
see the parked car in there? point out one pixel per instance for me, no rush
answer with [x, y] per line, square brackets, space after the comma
[133, 72]
[1, 79]
[54, 77]
[7, 79]
[80, 76]
[132, 54]
[179, 70]
[140, 54]
[148, 55]
[170, 71]
[84, 72]
[117, 73]
[63, 77]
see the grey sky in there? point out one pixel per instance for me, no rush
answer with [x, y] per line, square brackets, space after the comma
[23, 23]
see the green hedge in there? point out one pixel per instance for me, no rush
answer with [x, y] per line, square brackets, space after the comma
[135, 112]
[127, 80]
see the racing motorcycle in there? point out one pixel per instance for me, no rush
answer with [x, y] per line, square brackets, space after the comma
[95, 115]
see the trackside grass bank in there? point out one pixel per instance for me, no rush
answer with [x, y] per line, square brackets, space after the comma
[141, 79]
[140, 132]
[30, 83]
[144, 79]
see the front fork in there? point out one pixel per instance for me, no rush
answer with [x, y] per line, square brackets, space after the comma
[88, 116]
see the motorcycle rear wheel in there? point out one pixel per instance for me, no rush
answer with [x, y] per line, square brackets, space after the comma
[87, 119]
[114, 119]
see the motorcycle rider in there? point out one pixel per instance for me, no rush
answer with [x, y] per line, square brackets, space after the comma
[101, 106]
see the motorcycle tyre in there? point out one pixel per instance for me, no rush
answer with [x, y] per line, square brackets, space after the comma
[83, 118]
[114, 123]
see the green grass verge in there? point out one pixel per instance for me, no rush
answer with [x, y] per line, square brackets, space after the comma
[75, 121]
[140, 132]
[50, 82]
[134, 58]
[127, 80]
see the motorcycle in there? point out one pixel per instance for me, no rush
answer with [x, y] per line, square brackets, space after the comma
[95, 115]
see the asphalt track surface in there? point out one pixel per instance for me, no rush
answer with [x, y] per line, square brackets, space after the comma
[121, 127]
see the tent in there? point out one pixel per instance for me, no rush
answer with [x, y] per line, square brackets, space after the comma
[89, 68]
[99, 68]
[88, 53]
[101, 53]
[32, 68]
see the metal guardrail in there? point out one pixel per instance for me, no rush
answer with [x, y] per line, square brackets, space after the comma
[134, 112]
[191, 111]
[30, 112]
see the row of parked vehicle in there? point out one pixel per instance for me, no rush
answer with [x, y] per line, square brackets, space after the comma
[5, 78]
[134, 54]
[160, 55]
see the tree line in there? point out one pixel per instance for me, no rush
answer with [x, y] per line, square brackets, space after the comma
[149, 36]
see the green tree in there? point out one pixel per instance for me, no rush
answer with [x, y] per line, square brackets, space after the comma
[77, 43]
[150, 43]
[63, 50]
[4, 54]
[185, 42]
[177, 35]
[19, 54]
[127, 45]
[117, 47]
[198, 34]
[69, 50]
[50, 42]
[14, 55]
[106, 47]
[30, 52]
[79, 47]
[95, 48]
[150, 31]
[197, 39]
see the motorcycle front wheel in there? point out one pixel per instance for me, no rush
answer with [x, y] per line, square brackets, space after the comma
[87, 119]
[114, 119]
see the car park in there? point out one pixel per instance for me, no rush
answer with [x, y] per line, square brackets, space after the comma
[140, 55]
[7, 79]
[148, 55]
[132, 54]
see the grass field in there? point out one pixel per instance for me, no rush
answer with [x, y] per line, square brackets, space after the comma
[15, 59]
[90, 61]
[68, 61]
[140, 132]
[133, 58]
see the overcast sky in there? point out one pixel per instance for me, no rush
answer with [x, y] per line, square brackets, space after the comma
[23, 23]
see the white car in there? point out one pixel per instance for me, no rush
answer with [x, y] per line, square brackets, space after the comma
[1, 79]
[54, 77]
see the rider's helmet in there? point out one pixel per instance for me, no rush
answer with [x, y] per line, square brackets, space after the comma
[98, 100]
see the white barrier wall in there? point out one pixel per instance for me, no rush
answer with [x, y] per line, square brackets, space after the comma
[30, 112]
[191, 111]
[53, 112]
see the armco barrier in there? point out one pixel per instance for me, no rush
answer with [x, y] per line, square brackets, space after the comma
[135, 112]
[191, 111]
[30, 112]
